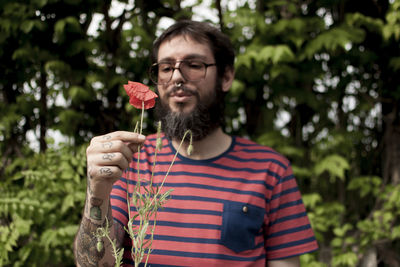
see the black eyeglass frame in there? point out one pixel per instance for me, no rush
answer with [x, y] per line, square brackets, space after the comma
[206, 65]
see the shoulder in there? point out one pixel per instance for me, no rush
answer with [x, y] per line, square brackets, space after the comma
[248, 147]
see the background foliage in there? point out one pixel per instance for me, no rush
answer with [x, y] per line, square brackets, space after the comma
[317, 80]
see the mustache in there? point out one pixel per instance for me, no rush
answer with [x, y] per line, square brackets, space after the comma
[183, 89]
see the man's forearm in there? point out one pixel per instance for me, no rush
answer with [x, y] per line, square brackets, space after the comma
[87, 252]
[107, 157]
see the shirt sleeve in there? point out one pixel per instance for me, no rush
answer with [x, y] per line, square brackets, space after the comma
[288, 231]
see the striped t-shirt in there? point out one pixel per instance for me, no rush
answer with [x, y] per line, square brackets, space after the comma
[241, 208]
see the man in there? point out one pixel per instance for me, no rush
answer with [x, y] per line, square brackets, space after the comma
[235, 203]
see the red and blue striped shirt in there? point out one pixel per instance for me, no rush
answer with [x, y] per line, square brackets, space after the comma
[241, 208]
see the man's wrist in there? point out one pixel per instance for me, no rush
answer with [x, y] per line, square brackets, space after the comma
[99, 189]
[97, 207]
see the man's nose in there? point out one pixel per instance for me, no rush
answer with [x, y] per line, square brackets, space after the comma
[177, 75]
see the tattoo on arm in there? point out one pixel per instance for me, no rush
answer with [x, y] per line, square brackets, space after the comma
[119, 234]
[89, 187]
[95, 210]
[95, 201]
[86, 252]
[118, 229]
[109, 216]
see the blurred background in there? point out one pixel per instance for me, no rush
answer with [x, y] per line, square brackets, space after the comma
[319, 81]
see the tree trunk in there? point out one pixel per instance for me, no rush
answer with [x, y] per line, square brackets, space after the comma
[391, 142]
[370, 258]
[220, 14]
[43, 111]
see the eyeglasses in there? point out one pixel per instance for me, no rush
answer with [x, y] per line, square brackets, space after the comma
[191, 70]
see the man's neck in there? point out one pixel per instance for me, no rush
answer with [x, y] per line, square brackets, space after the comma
[211, 146]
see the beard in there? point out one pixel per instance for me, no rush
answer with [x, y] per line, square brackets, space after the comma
[207, 115]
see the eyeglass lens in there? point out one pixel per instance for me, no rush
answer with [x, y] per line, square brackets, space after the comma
[161, 73]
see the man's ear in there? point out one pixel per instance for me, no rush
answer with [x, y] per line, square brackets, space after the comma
[228, 78]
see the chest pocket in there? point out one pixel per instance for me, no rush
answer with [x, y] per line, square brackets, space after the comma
[240, 224]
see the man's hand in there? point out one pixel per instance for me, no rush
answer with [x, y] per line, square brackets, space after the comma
[107, 157]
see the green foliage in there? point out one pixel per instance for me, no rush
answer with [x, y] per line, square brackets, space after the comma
[335, 165]
[311, 260]
[382, 223]
[365, 185]
[345, 259]
[333, 39]
[40, 205]
[392, 29]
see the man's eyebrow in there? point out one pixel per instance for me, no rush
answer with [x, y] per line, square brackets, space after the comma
[187, 57]
[195, 56]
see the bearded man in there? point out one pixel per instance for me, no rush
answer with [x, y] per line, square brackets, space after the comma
[234, 203]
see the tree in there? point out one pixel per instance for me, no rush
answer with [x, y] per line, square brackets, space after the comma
[330, 66]
[316, 80]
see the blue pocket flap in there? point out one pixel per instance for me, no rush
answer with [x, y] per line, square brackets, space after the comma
[240, 224]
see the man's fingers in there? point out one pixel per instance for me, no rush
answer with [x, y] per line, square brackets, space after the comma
[134, 147]
[117, 141]
[113, 159]
[112, 146]
[111, 173]
[124, 136]
[109, 155]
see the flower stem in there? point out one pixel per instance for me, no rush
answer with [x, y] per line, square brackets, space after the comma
[147, 202]
[136, 249]
[172, 163]
[141, 118]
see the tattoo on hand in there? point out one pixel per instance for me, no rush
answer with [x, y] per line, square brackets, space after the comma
[107, 137]
[89, 172]
[108, 156]
[106, 171]
[107, 145]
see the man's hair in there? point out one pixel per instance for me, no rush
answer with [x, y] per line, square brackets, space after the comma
[202, 32]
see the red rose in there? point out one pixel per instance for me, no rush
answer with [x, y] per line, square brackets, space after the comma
[139, 93]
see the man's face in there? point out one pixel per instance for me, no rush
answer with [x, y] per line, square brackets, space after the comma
[184, 48]
[195, 105]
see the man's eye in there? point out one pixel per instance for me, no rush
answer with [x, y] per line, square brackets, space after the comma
[165, 68]
[195, 65]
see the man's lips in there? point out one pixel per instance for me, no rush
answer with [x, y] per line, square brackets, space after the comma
[181, 91]
[181, 96]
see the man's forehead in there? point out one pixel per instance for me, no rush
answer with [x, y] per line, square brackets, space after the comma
[188, 38]
[193, 56]
[193, 49]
